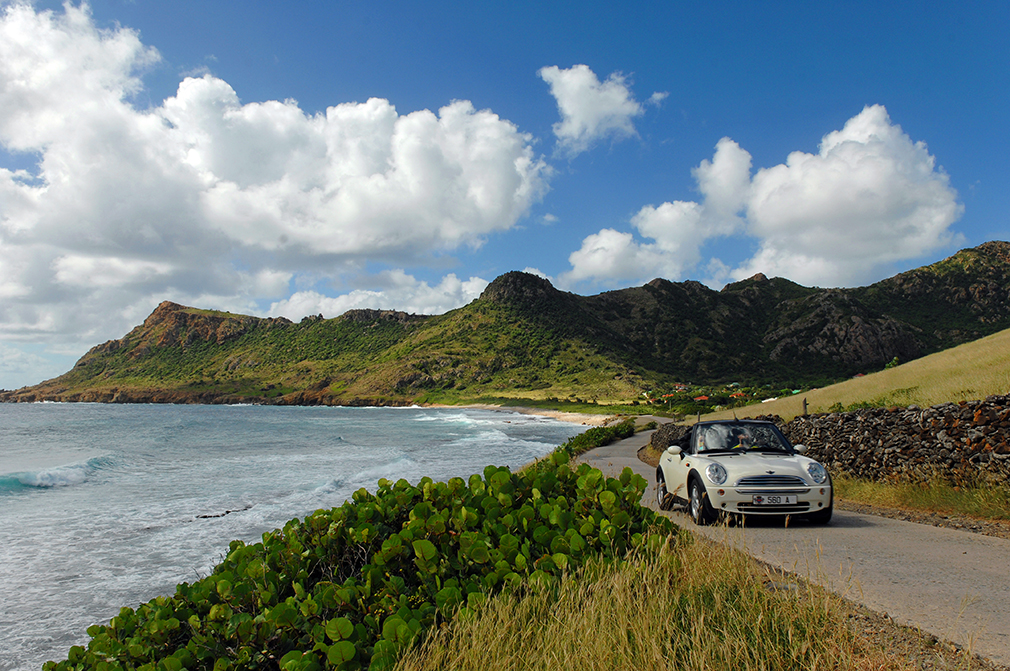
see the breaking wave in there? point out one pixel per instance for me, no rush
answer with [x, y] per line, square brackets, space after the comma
[58, 476]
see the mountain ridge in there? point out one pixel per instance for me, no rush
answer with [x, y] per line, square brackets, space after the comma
[524, 337]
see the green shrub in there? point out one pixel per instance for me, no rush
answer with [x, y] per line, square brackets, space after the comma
[351, 587]
[597, 436]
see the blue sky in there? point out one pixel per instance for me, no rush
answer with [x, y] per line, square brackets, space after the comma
[313, 157]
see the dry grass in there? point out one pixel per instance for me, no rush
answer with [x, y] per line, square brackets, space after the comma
[939, 496]
[970, 371]
[692, 605]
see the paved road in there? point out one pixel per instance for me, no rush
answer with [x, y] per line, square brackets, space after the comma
[953, 584]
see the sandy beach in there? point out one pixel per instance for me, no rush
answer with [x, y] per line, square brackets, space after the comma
[583, 418]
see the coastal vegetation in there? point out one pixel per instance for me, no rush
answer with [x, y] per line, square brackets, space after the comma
[354, 586]
[655, 610]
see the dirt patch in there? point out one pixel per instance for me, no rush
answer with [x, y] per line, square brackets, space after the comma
[920, 649]
[649, 455]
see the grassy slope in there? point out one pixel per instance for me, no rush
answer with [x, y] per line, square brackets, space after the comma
[970, 371]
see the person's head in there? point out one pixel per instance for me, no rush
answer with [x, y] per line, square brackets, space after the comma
[740, 437]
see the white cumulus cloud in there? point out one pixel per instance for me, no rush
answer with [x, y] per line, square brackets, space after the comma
[869, 198]
[592, 110]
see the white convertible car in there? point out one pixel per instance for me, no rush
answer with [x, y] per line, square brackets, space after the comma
[743, 467]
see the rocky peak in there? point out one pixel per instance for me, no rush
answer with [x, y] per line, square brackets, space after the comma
[518, 287]
[998, 250]
[163, 312]
[174, 325]
[757, 279]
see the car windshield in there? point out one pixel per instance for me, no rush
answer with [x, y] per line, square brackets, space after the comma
[742, 437]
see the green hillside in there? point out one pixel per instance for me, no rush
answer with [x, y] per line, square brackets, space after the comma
[525, 339]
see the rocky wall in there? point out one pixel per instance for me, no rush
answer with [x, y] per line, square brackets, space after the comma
[960, 442]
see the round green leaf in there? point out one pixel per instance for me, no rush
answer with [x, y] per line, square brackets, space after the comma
[341, 652]
[425, 549]
[339, 628]
[479, 553]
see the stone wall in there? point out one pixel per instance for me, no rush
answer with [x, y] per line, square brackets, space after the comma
[960, 442]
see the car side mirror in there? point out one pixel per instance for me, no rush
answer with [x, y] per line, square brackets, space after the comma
[674, 449]
[801, 449]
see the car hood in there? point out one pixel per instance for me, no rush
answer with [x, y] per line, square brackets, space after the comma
[759, 463]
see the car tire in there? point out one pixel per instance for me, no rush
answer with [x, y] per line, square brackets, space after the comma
[822, 516]
[698, 505]
[663, 498]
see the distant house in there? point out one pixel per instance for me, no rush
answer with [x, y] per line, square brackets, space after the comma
[701, 398]
[738, 394]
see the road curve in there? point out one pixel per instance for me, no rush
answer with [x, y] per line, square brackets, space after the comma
[952, 584]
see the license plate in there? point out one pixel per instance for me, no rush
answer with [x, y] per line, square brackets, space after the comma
[773, 500]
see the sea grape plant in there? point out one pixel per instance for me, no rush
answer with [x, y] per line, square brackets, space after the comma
[351, 587]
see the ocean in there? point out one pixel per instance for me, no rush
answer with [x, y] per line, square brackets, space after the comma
[104, 506]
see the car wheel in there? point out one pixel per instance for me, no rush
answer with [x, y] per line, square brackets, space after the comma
[699, 507]
[822, 516]
[663, 498]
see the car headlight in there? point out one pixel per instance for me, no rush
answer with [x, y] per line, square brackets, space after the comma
[817, 472]
[716, 474]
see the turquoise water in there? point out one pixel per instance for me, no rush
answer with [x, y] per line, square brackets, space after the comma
[104, 506]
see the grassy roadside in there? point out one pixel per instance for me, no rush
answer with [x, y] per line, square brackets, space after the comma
[692, 605]
[985, 502]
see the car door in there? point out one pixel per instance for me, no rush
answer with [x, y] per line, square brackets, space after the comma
[677, 468]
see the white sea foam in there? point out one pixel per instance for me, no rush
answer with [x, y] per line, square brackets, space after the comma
[391, 470]
[56, 477]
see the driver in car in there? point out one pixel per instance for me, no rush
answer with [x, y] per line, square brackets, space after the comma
[740, 440]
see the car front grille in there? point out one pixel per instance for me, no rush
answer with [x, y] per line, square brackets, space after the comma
[771, 481]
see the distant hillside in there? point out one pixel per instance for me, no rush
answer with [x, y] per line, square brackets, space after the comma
[523, 337]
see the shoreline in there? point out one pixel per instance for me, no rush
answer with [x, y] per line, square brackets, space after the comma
[583, 418]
